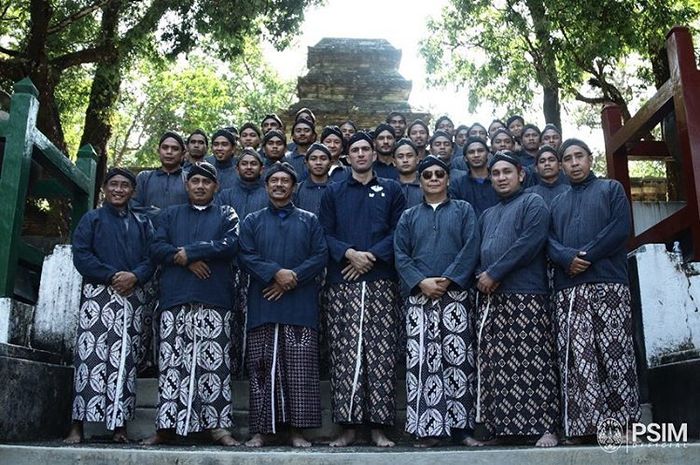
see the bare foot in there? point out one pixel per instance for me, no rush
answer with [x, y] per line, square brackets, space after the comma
[471, 442]
[346, 438]
[297, 439]
[75, 435]
[427, 442]
[258, 440]
[380, 440]
[223, 437]
[547, 440]
[120, 435]
[161, 437]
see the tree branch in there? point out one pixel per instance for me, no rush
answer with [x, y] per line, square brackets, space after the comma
[75, 17]
[12, 53]
[88, 55]
[592, 100]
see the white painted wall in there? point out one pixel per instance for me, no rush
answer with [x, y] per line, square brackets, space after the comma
[56, 316]
[670, 301]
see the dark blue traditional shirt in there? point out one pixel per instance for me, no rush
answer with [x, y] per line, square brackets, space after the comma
[308, 195]
[477, 191]
[513, 238]
[362, 217]
[156, 190]
[107, 240]
[549, 191]
[525, 158]
[298, 161]
[594, 217]
[459, 163]
[245, 197]
[412, 192]
[226, 171]
[210, 235]
[436, 242]
[338, 173]
[385, 170]
[272, 239]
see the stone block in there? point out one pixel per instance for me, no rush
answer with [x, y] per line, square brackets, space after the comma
[35, 399]
[56, 316]
[15, 321]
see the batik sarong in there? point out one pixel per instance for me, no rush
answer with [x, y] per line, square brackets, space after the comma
[239, 321]
[362, 334]
[194, 384]
[107, 351]
[284, 384]
[517, 382]
[593, 328]
[440, 364]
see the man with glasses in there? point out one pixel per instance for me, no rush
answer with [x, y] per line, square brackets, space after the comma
[436, 250]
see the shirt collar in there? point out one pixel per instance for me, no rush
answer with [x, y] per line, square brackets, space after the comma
[585, 183]
[513, 196]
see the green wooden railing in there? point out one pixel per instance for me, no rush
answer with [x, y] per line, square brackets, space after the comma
[25, 144]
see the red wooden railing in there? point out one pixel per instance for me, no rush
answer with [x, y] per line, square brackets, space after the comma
[680, 96]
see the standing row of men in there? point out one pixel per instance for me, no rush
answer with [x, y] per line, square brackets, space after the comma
[504, 361]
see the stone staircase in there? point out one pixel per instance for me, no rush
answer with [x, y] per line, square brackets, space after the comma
[147, 402]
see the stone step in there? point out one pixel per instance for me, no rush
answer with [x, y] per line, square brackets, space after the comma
[147, 393]
[143, 426]
[56, 453]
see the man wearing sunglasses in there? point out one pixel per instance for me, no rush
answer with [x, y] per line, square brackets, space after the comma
[437, 248]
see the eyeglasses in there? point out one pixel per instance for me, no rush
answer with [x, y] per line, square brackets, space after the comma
[429, 174]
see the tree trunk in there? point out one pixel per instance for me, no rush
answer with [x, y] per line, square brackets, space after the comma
[550, 105]
[545, 62]
[104, 92]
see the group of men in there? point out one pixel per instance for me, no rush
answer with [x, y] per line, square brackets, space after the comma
[500, 277]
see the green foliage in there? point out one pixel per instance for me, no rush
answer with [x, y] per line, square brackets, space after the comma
[200, 92]
[499, 50]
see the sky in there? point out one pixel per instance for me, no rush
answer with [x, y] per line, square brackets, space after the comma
[403, 24]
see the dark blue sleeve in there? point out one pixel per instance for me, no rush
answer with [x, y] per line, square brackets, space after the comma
[327, 217]
[162, 250]
[84, 258]
[461, 271]
[145, 269]
[617, 230]
[224, 248]
[384, 248]
[560, 254]
[316, 262]
[403, 253]
[250, 257]
[139, 198]
[528, 244]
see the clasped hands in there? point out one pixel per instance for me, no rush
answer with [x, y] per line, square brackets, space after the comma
[199, 268]
[284, 280]
[359, 264]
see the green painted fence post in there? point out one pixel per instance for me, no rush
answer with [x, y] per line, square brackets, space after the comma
[14, 179]
[82, 203]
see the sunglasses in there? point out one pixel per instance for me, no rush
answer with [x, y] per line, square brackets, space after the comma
[429, 174]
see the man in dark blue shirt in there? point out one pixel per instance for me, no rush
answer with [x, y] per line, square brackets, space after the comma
[274, 146]
[161, 188]
[195, 244]
[517, 388]
[384, 140]
[110, 250]
[437, 248]
[475, 187]
[552, 181]
[197, 146]
[359, 216]
[406, 161]
[223, 147]
[309, 192]
[303, 135]
[284, 251]
[591, 223]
